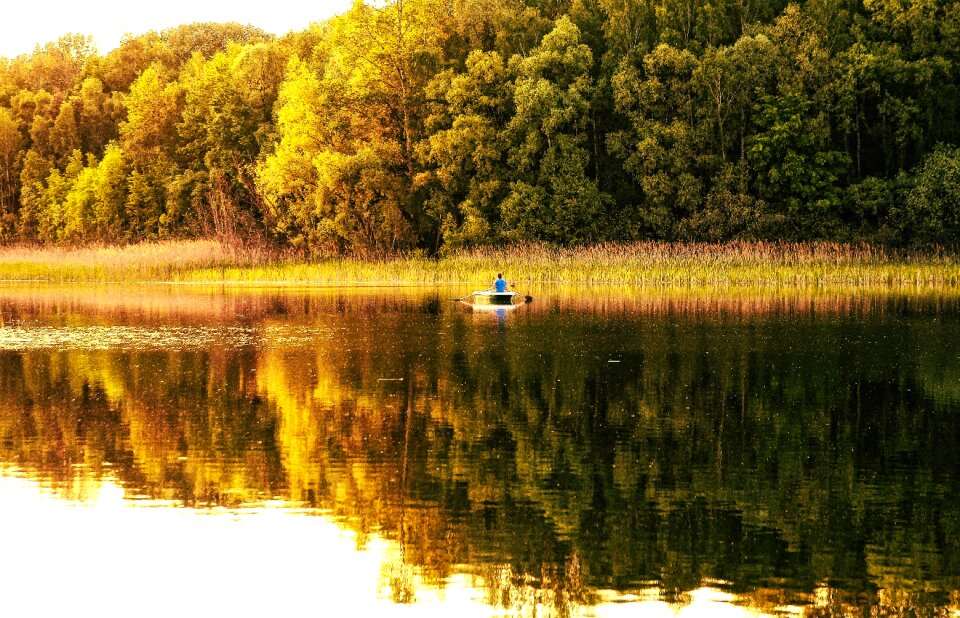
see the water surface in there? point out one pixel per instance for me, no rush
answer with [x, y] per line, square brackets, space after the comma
[389, 451]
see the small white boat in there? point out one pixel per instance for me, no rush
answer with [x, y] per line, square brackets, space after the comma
[486, 297]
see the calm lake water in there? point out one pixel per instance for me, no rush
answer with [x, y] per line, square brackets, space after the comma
[171, 451]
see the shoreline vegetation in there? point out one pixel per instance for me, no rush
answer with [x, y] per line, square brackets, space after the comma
[652, 266]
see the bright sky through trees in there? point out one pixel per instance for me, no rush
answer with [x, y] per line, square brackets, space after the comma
[26, 24]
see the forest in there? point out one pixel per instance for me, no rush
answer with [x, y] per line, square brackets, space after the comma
[425, 126]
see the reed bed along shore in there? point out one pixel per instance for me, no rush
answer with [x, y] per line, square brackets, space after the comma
[646, 265]
[143, 262]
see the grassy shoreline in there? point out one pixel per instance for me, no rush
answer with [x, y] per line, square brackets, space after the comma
[652, 266]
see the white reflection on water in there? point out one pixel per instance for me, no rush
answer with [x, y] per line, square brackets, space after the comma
[111, 556]
[121, 337]
[23, 338]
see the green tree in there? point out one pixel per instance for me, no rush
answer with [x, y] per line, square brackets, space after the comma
[363, 126]
[287, 177]
[931, 212]
[466, 150]
[551, 194]
[153, 111]
[98, 116]
[42, 116]
[55, 222]
[661, 146]
[208, 38]
[148, 138]
[359, 200]
[228, 102]
[147, 210]
[730, 210]
[25, 105]
[65, 134]
[870, 204]
[796, 170]
[110, 191]
[11, 144]
[121, 66]
[54, 67]
[33, 177]
[77, 206]
[795, 149]
[630, 26]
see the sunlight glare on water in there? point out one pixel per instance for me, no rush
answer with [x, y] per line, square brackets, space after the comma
[150, 560]
[118, 557]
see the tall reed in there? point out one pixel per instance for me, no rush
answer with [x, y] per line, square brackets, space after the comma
[646, 265]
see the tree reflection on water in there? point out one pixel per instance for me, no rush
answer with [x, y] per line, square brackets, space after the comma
[797, 454]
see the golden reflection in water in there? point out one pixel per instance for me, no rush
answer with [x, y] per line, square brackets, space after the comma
[217, 305]
[368, 391]
[119, 557]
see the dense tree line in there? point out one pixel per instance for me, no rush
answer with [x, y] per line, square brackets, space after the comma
[434, 124]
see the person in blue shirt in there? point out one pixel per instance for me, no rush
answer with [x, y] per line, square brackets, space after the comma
[500, 285]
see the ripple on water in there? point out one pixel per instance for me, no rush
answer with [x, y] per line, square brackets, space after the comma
[123, 337]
